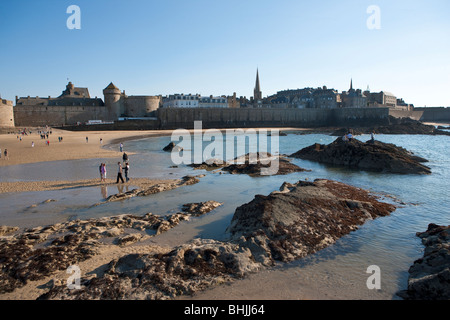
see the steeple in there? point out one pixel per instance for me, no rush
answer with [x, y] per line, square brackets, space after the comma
[257, 94]
[351, 84]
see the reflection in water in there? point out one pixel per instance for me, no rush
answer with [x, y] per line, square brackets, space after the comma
[104, 190]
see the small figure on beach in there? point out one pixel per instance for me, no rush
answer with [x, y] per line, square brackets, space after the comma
[119, 173]
[127, 167]
[87, 139]
[6, 154]
[102, 169]
[101, 141]
[32, 144]
[121, 147]
[125, 157]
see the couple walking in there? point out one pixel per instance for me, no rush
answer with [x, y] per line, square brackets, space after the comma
[121, 169]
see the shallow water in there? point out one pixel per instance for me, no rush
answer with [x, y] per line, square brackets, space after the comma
[336, 272]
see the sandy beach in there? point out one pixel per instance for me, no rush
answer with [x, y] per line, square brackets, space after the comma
[73, 145]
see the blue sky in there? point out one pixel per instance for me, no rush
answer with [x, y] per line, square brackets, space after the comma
[214, 47]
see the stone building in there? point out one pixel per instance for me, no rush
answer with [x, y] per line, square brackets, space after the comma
[306, 98]
[6, 114]
[354, 98]
[194, 101]
[118, 104]
[382, 98]
[74, 105]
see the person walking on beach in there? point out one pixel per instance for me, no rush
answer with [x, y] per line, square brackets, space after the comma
[121, 147]
[6, 154]
[87, 139]
[125, 157]
[127, 167]
[103, 172]
[119, 173]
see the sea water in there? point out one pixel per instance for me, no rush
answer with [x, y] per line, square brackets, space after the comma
[337, 272]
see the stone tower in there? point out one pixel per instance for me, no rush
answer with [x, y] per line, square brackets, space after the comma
[6, 114]
[113, 101]
[257, 94]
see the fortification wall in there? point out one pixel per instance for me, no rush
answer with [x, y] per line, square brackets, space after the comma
[171, 118]
[31, 116]
[423, 114]
[141, 106]
[6, 114]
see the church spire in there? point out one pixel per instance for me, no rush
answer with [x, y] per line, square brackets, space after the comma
[257, 94]
[351, 84]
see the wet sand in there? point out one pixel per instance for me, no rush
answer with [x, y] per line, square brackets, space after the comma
[29, 186]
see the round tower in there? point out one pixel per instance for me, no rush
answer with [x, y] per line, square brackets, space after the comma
[6, 114]
[113, 102]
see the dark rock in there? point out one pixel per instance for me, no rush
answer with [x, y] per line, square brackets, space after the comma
[429, 277]
[395, 126]
[254, 164]
[302, 219]
[198, 209]
[171, 147]
[183, 271]
[371, 156]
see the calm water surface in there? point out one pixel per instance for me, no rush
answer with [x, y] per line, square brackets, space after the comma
[336, 272]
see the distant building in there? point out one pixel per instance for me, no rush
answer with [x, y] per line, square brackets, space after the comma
[257, 94]
[194, 101]
[6, 114]
[213, 102]
[383, 99]
[119, 104]
[181, 101]
[353, 98]
[321, 98]
[72, 106]
[75, 106]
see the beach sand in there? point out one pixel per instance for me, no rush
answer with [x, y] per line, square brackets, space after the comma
[72, 147]
[29, 186]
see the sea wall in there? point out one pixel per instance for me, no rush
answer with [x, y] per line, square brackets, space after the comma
[423, 114]
[33, 116]
[171, 118]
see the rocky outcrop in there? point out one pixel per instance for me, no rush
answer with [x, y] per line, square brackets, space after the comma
[160, 187]
[199, 209]
[371, 156]
[429, 277]
[183, 271]
[45, 250]
[261, 164]
[395, 126]
[172, 147]
[302, 218]
[298, 220]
